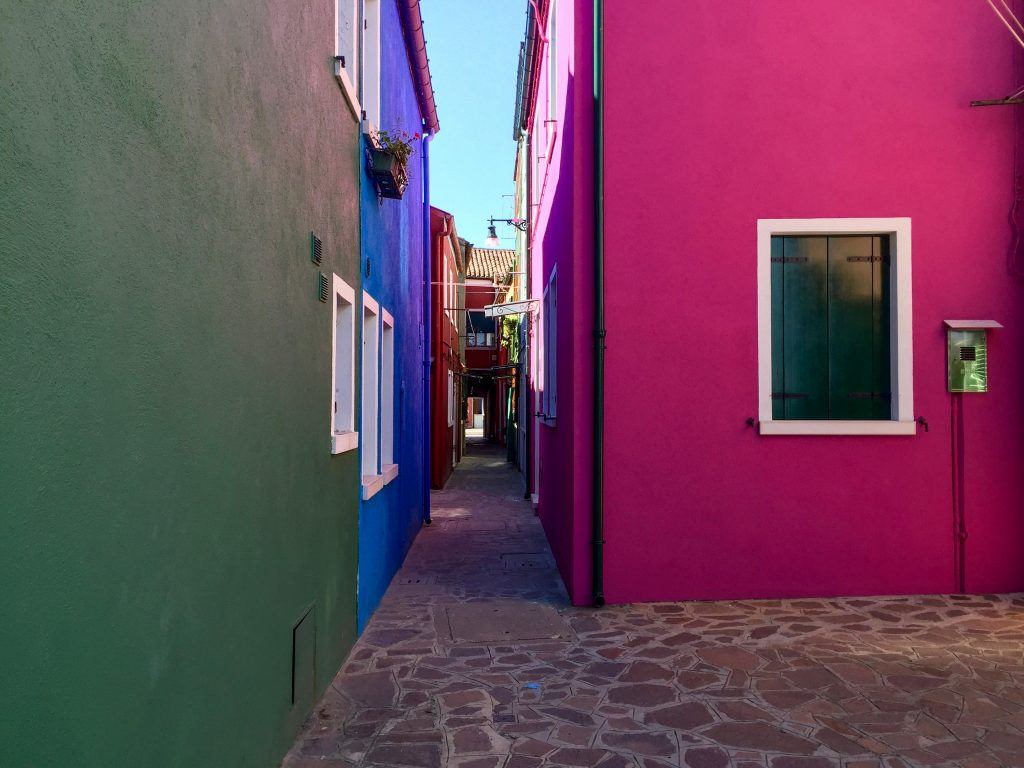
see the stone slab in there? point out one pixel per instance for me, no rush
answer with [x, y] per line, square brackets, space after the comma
[504, 621]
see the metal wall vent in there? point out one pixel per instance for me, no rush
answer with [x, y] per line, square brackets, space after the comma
[317, 251]
[324, 288]
[968, 353]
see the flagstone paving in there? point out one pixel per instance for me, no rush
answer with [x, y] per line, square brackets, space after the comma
[827, 683]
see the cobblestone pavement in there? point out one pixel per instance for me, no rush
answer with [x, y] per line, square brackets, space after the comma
[932, 680]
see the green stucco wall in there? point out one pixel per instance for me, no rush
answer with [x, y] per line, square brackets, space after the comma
[169, 507]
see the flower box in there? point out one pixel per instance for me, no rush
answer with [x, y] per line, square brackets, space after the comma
[389, 172]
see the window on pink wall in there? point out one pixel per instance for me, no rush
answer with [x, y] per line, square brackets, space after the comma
[549, 324]
[552, 61]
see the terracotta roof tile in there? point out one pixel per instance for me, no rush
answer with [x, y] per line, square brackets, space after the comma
[492, 263]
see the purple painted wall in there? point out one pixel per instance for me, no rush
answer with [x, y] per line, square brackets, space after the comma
[562, 239]
[792, 109]
[782, 109]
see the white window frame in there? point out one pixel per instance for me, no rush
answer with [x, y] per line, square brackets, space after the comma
[372, 480]
[388, 466]
[451, 398]
[346, 43]
[447, 287]
[900, 326]
[370, 65]
[552, 72]
[451, 294]
[549, 322]
[344, 436]
[551, 122]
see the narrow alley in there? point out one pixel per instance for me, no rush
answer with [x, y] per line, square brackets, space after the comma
[476, 659]
[521, 384]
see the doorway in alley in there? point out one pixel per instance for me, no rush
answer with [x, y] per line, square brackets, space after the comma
[475, 417]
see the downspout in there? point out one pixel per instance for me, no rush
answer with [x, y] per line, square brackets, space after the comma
[599, 327]
[427, 319]
[956, 434]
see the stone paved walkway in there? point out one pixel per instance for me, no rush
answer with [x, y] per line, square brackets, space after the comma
[933, 680]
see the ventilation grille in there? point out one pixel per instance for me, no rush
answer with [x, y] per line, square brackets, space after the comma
[317, 252]
[324, 291]
[968, 353]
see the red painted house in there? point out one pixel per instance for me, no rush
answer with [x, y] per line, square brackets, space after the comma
[488, 272]
[742, 379]
[446, 370]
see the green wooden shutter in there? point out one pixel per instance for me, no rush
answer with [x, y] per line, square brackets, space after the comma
[881, 352]
[799, 329]
[830, 327]
[778, 358]
[858, 323]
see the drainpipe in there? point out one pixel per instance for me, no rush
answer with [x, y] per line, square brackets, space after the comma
[956, 434]
[599, 328]
[427, 316]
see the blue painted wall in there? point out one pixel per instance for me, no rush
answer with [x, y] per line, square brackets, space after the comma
[392, 241]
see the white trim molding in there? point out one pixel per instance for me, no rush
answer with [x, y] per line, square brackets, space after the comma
[342, 442]
[347, 24]
[371, 485]
[369, 66]
[387, 390]
[900, 325]
[837, 427]
[389, 472]
[344, 436]
[370, 412]
[348, 89]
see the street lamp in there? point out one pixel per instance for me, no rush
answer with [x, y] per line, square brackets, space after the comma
[492, 232]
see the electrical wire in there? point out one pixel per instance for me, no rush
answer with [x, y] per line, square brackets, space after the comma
[1014, 258]
[1012, 15]
[1006, 23]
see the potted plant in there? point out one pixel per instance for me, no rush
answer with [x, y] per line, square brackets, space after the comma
[389, 153]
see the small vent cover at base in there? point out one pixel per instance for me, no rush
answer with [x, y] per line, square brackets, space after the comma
[316, 249]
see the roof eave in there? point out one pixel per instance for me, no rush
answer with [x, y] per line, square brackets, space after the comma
[416, 48]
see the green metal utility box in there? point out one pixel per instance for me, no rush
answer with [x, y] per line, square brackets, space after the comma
[967, 354]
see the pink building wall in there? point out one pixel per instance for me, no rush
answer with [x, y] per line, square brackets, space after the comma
[801, 109]
[717, 115]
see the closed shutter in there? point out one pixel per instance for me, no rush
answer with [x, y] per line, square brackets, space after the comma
[858, 323]
[799, 308]
[830, 327]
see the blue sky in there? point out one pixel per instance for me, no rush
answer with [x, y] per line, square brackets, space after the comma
[473, 47]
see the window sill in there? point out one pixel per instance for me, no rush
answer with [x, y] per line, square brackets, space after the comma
[370, 132]
[349, 90]
[344, 441]
[371, 485]
[826, 427]
[389, 472]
